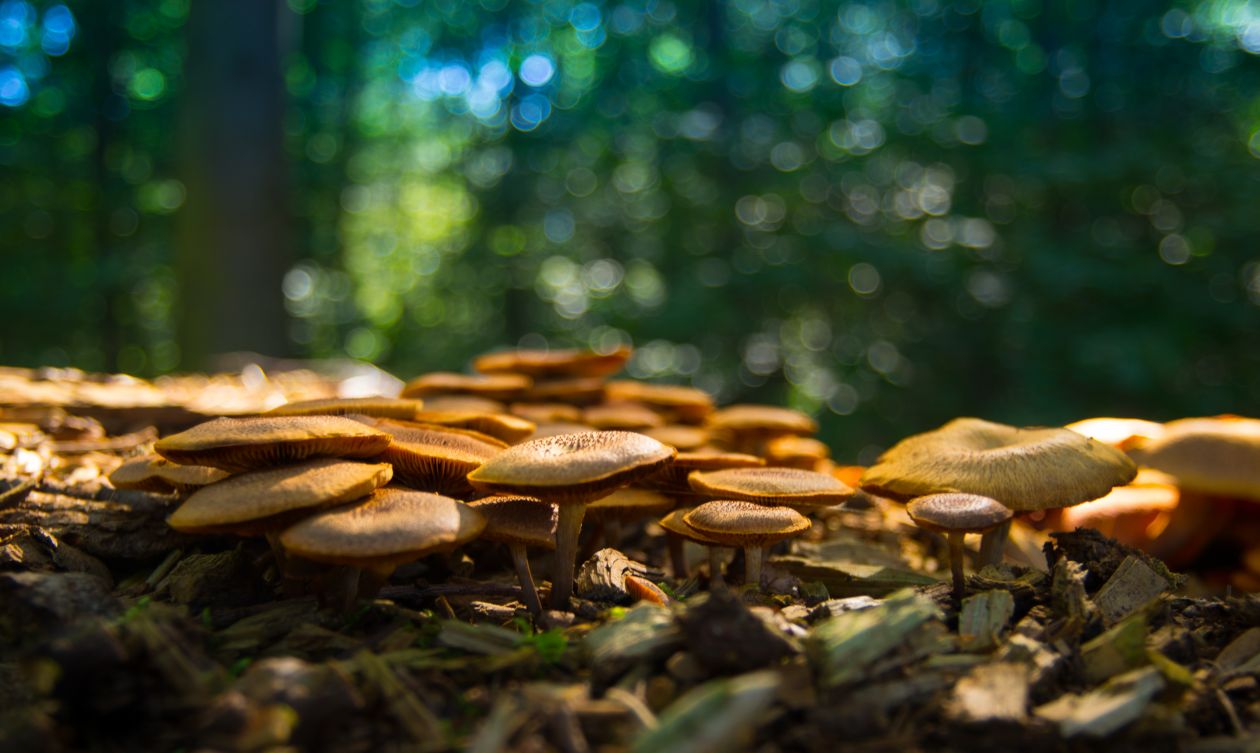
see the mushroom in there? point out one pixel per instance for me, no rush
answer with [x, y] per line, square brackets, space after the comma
[625, 504]
[580, 390]
[434, 458]
[501, 426]
[748, 525]
[493, 386]
[1026, 469]
[546, 413]
[154, 473]
[380, 407]
[570, 471]
[391, 527]
[463, 404]
[1132, 514]
[791, 451]
[956, 514]
[687, 405]
[745, 428]
[677, 531]
[1117, 432]
[621, 415]
[553, 363]
[520, 522]
[772, 486]
[243, 444]
[682, 436]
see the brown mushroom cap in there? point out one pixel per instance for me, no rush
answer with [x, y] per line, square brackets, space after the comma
[571, 467]
[682, 436]
[957, 511]
[546, 413]
[687, 404]
[501, 426]
[1216, 455]
[1026, 469]
[436, 458]
[1150, 492]
[494, 386]
[242, 444]
[256, 501]
[761, 418]
[741, 523]
[553, 363]
[795, 452]
[772, 486]
[154, 473]
[463, 404]
[674, 523]
[1117, 432]
[621, 415]
[381, 407]
[629, 502]
[391, 527]
[674, 477]
[512, 519]
[573, 390]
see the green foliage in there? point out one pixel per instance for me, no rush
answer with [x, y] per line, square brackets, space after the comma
[885, 213]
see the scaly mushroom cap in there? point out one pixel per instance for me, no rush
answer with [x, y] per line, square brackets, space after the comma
[257, 501]
[621, 415]
[673, 522]
[772, 486]
[761, 419]
[953, 512]
[512, 519]
[572, 468]
[243, 444]
[629, 503]
[553, 363]
[391, 527]
[795, 452]
[501, 426]
[436, 458]
[153, 473]
[1025, 469]
[380, 407]
[674, 477]
[683, 437]
[1216, 455]
[739, 523]
[493, 386]
[687, 404]
[1117, 432]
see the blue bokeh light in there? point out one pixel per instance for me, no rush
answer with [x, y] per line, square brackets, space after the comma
[585, 17]
[537, 69]
[14, 91]
[530, 112]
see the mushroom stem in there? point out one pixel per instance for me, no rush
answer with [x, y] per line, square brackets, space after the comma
[752, 565]
[677, 554]
[568, 527]
[373, 579]
[956, 563]
[993, 544]
[529, 592]
[715, 567]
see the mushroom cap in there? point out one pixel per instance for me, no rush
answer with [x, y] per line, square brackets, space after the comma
[463, 404]
[687, 404]
[772, 486]
[436, 458]
[553, 428]
[795, 451]
[380, 407]
[673, 522]
[1150, 492]
[494, 386]
[257, 501]
[243, 444]
[571, 468]
[682, 436]
[501, 426]
[761, 419]
[1117, 432]
[392, 526]
[1214, 455]
[574, 390]
[952, 512]
[629, 502]
[546, 413]
[512, 519]
[741, 523]
[552, 363]
[674, 477]
[621, 415]
[154, 473]
[1025, 469]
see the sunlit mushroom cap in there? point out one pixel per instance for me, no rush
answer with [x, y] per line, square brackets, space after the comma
[1117, 432]
[242, 444]
[674, 523]
[952, 512]
[795, 452]
[1216, 455]
[571, 467]
[574, 390]
[381, 407]
[514, 519]
[1150, 492]
[772, 486]
[436, 458]
[629, 503]
[392, 526]
[553, 363]
[674, 477]
[541, 413]
[256, 501]
[463, 404]
[494, 386]
[501, 426]
[761, 418]
[687, 404]
[153, 473]
[682, 436]
[742, 523]
[554, 428]
[621, 415]
[1024, 468]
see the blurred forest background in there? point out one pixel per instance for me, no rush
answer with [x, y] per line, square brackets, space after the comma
[885, 213]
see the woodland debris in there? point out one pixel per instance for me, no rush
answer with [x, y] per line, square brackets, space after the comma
[983, 619]
[603, 576]
[996, 692]
[1098, 713]
[845, 648]
[719, 715]
[1133, 585]
[728, 637]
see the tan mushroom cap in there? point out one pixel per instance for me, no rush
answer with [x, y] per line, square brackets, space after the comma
[1025, 469]
[772, 486]
[673, 522]
[1117, 432]
[742, 523]
[154, 473]
[675, 475]
[392, 526]
[463, 404]
[551, 429]
[436, 458]
[546, 413]
[629, 502]
[494, 386]
[574, 390]
[242, 444]
[501, 426]
[552, 363]
[761, 418]
[572, 467]
[953, 512]
[512, 519]
[621, 415]
[256, 501]
[1215, 455]
[682, 436]
[380, 407]
[687, 404]
[795, 452]
[1150, 492]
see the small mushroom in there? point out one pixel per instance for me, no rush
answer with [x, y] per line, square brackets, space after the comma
[380, 407]
[956, 514]
[791, 451]
[687, 405]
[154, 473]
[747, 427]
[570, 471]
[520, 522]
[558, 362]
[245, 444]
[493, 386]
[677, 530]
[501, 426]
[626, 415]
[435, 458]
[773, 486]
[747, 525]
[625, 505]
